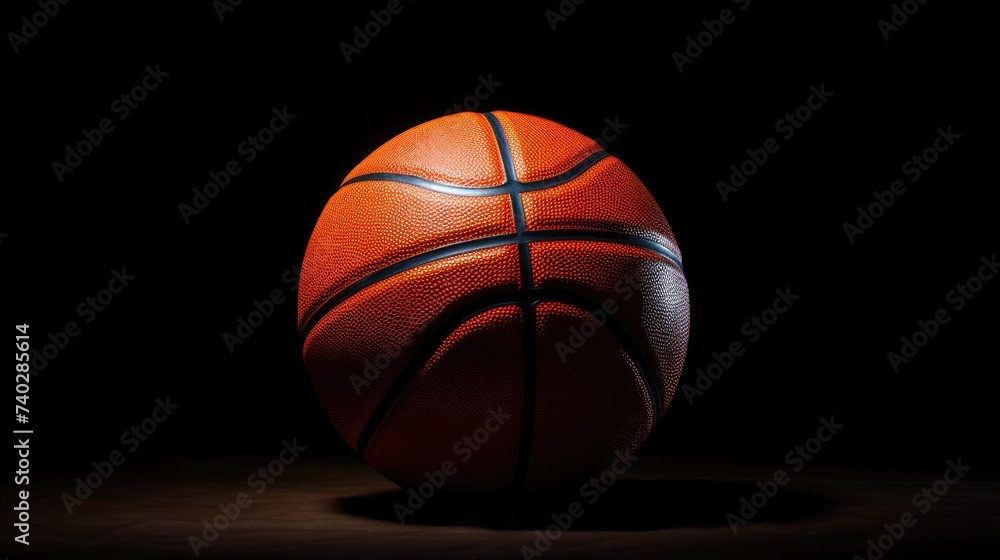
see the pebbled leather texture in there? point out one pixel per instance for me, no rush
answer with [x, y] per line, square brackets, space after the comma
[457, 150]
[542, 148]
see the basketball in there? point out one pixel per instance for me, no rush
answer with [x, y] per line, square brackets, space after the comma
[492, 302]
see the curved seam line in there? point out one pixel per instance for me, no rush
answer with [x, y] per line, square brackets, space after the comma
[507, 187]
[606, 236]
[523, 298]
[627, 343]
[465, 247]
[504, 146]
[420, 358]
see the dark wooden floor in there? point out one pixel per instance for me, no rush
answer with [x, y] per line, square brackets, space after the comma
[661, 508]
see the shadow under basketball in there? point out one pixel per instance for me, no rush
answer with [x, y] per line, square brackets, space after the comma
[622, 507]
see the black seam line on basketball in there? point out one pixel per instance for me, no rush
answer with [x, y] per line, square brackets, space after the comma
[505, 155]
[482, 243]
[516, 205]
[528, 397]
[524, 298]
[507, 187]
[421, 356]
[524, 259]
[602, 235]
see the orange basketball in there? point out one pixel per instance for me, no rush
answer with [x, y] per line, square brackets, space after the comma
[491, 301]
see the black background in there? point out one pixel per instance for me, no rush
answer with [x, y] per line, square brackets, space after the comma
[826, 356]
